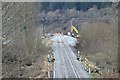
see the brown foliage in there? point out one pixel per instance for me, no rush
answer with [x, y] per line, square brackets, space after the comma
[99, 42]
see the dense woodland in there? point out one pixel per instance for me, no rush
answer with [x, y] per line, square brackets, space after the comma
[84, 6]
[58, 15]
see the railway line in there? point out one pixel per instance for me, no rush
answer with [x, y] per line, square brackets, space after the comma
[66, 64]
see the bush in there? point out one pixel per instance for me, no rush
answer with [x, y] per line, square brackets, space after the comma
[99, 41]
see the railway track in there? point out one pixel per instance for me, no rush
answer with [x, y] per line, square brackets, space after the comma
[62, 62]
[72, 60]
[66, 65]
[76, 64]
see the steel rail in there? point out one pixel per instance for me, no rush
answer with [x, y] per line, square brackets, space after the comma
[59, 51]
[73, 62]
[74, 69]
[79, 76]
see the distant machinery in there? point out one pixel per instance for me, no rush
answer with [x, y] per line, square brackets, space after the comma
[73, 28]
[74, 32]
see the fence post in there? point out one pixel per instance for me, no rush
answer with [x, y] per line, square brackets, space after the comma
[89, 71]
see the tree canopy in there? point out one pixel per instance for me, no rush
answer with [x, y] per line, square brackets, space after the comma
[70, 5]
